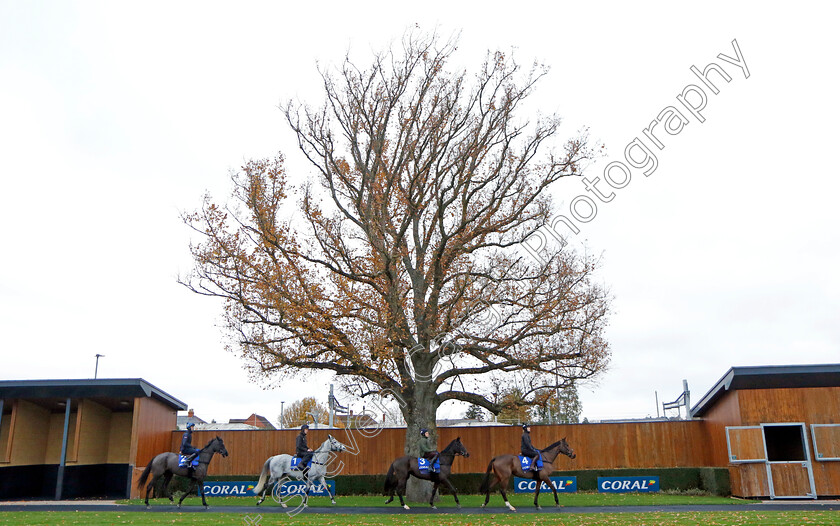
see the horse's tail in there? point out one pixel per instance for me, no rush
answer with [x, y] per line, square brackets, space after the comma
[485, 484]
[263, 477]
[390, 481]
[145, 476]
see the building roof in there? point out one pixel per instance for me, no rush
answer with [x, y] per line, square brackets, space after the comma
[95, 388]
[182, 421]
[769, 377]
[254, 420]
[467, 422]
[216, 426]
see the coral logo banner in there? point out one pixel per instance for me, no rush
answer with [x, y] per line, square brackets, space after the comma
[229, 489]
[628, 484]
[562, 484]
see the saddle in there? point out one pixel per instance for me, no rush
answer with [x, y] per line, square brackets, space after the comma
[525, 463]
[296, 463]
[182, 461]
[425, 465]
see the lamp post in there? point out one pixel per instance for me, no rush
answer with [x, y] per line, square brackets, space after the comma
[96, 371]
[282, 422]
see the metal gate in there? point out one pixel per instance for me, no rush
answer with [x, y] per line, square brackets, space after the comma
[826, 442]
[783, 450]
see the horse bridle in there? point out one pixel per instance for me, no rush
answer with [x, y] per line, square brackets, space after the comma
[207, 448]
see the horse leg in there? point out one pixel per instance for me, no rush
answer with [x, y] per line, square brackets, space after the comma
[452, 489]
[167, 479]
[544, 478]
[201, 492]
[432, 499]
[496, 480]
[272, 480]
[326, 487]
[307, 484]
[401, 492]
[390, 495]
[538, 478]
[189, 490]
[149, 487]
[265, 490]
[504, 496]
[261, 495]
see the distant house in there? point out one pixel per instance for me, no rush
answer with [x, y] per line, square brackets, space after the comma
[462, 422]
[190, 418]
[255, 420]
[224, 426]
[201, 425]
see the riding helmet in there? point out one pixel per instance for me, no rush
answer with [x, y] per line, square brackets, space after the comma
[304, 426]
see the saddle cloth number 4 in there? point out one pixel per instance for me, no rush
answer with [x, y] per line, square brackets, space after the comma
[525, 462]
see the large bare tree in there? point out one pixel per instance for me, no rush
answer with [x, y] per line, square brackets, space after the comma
[402, 269]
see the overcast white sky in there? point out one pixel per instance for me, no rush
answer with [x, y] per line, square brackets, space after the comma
[117, 116]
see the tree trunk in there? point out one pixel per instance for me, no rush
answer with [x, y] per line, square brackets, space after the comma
[419, 491]
[420, 413]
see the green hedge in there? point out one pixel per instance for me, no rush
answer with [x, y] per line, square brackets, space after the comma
[715, 481]
[711, 480]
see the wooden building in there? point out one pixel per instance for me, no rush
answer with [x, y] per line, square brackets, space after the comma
[777, 428]
[80, 438]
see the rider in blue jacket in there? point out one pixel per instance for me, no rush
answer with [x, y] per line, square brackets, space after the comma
[528, 449]
[187, 447]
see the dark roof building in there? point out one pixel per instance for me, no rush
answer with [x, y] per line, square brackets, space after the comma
[777, 428]
[80, 438]
[769, 377]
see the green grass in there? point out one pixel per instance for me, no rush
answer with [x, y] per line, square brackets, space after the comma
[517, 499]
[739, 518]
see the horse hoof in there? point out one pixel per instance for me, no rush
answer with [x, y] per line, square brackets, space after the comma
[484, 505]
[434, 507]
[459, 506]
[148, 507]
[283, 504]
[405, 506]
[333, 502]
[538, 507]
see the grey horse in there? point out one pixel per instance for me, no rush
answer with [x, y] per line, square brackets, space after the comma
[166, 465]
[280, 465]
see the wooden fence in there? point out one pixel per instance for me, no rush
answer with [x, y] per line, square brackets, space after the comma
[597, 446]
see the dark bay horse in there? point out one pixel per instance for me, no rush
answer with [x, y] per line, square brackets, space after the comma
[502, 467]
[406, 466]
[166, 465]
